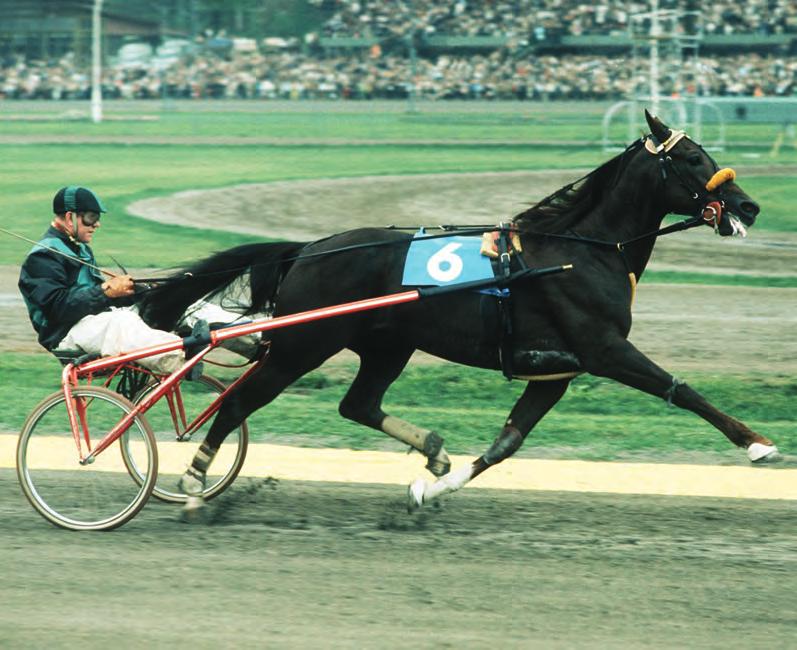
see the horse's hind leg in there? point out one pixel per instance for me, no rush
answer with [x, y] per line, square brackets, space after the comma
[363, 404]
[536, 401]
[260, 389]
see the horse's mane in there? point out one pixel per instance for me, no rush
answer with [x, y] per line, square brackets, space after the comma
[565, 208]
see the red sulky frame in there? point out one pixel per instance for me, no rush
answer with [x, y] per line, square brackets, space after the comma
[71, 373]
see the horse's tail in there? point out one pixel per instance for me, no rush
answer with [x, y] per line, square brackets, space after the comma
[163, 306]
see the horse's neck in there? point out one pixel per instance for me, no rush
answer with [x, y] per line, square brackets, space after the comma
[618, 220]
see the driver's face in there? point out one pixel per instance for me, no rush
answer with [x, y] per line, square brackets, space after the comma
[87, 224]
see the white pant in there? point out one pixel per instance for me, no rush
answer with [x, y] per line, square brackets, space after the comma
[121, 330]
[245, 345]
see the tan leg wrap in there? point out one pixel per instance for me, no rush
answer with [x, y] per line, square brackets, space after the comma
[407, 433]
[203, 458]
[427, 442]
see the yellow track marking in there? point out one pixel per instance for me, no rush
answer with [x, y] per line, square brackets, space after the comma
[342, 465]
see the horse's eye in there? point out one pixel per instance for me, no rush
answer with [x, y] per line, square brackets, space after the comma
[694, 160]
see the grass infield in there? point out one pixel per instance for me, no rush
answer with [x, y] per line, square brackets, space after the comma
[597, 418]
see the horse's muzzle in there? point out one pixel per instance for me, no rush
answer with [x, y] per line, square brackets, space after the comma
[742, 206]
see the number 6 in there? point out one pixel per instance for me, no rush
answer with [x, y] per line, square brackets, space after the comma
[444, 265]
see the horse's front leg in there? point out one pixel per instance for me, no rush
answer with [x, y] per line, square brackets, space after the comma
[536, 401]
[622, 362]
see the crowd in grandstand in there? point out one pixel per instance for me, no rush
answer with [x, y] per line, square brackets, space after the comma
[386, 71]
[297, 76]
[524, 17]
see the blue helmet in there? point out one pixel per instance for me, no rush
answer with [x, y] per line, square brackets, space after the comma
[76, 199]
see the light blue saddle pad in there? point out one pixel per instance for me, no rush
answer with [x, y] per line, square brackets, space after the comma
[445, 260]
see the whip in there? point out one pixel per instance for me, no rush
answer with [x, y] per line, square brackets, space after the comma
[61, 253]
[89, 264]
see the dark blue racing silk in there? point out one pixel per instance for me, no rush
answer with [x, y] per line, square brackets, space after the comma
[58, 290]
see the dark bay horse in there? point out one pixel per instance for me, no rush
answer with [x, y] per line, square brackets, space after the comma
[605, 225]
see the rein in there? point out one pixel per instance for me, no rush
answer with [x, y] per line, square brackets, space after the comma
[676, 227]
[451, 230]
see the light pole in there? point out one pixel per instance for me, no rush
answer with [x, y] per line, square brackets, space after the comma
[96, 62]
[655, 35]
[413, 61]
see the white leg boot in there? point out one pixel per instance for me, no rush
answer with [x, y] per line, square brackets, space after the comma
[420, 492]
[192, 482]
[761, 453]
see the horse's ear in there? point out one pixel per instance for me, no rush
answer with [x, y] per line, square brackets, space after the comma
[659, 130]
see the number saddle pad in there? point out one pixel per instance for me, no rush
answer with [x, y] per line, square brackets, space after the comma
[444, 261]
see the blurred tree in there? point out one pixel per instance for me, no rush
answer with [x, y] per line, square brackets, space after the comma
[292, 18]
[260, 18]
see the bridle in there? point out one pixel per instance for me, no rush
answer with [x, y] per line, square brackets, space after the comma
[709, 208]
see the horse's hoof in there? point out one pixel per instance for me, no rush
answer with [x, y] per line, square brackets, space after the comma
[415, 493]
[194, 510]
[760, 453]
[192, 484]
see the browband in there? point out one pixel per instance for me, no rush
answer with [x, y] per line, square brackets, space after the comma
[653, 146]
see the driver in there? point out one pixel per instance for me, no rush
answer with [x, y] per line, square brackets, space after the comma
[71, 305]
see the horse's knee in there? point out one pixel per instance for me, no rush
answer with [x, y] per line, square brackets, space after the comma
[351, 410]
[233, 408]
[670, 395]
[506, 444]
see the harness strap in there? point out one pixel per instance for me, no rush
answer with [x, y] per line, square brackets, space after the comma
[503, 254]
[506, 339]
[669, 394]
[631, 275]
[506, 334]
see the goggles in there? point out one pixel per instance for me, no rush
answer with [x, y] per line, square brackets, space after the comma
[90, 218]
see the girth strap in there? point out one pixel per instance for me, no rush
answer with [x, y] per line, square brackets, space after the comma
[496, 314]
[506, 335]
[503, 304]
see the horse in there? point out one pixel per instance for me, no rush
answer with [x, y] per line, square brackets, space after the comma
[605, 225]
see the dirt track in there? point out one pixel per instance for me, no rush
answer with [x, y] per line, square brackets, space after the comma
[304, 565]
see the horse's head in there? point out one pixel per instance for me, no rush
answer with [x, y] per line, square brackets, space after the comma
[694, 184]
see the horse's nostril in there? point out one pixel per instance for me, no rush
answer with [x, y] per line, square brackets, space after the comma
[749, 208]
